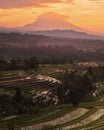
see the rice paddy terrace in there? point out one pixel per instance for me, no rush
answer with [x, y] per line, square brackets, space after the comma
[25, 81]
[62, 117]
[88, 116]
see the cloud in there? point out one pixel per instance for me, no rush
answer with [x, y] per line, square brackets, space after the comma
[67, 1]
[97, 1]
[50, 16]
[5, 4]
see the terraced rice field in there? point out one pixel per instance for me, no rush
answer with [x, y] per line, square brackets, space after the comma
[76, 119]
[25, 81]
[88, 116]
[63, 117]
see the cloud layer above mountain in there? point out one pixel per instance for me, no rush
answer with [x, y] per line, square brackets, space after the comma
[25, 3]
[5, 4]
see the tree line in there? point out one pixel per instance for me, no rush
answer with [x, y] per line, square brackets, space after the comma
[18, 63]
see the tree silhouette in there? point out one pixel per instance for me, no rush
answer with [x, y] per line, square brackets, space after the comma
[75, 87]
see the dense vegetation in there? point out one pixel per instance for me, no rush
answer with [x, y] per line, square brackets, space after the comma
[50, 49]
[19, 64]
[75, 87]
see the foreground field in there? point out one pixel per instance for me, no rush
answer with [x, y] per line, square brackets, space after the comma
[87, 116]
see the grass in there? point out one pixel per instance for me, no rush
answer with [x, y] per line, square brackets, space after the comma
[92, 126]
[78, 119]
[3, 128]
[44, 115]
[91, 104]
[53, 112]
[47, 114]
[48, 128]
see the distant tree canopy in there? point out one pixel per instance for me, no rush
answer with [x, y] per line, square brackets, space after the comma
[32, 63]
[18, 63]
[13, 65]
[75, 87]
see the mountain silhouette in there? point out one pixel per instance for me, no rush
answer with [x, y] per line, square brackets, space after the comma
[51, 21]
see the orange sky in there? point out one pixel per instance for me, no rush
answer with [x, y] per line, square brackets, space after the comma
[88, 14]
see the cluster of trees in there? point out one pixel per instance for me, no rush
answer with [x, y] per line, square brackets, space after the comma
[75, 87]
[57, 60]
[17, 63]
[18, 104]
[22, 102]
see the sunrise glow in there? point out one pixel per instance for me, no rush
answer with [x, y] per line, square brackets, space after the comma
[87, 14]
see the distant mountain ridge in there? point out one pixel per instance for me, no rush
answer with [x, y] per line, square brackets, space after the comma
[6, 29]
[55, 33]
[66, 34]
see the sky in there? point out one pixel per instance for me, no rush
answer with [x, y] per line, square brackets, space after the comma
[87, 14]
